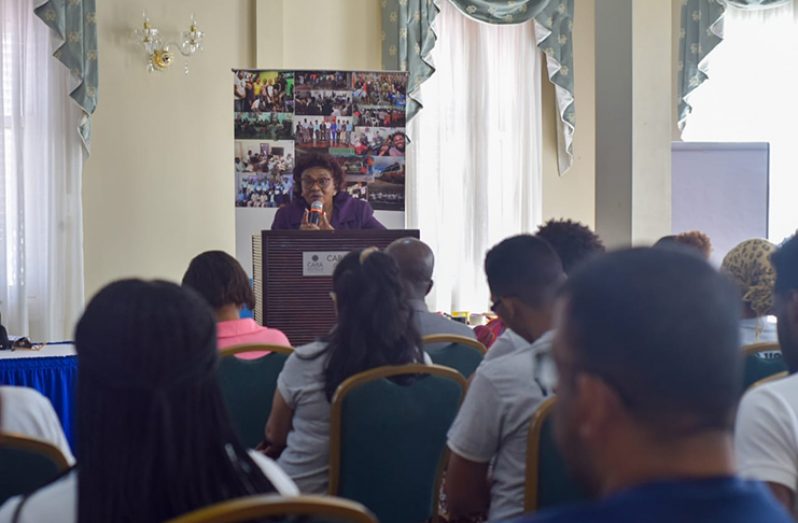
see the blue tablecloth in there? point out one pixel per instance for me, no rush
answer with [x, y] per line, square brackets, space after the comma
[55, 377]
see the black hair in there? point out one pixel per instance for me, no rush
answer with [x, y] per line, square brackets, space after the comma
[785, 261]
[220, 279]
[573, 242]
[692, 241]
[375, 325]
[525, 267]
[311, 160]
[153, 434]
[661, 327]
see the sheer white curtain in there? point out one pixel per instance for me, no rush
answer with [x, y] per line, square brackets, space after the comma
[751, 96]
[474, 164]
[41, 261]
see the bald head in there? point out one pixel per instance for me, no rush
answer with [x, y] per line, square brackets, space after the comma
[416, 262]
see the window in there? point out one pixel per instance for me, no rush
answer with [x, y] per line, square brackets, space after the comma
[750, 97]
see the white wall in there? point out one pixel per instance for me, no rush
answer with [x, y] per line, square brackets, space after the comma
[158, 185]
[574, 194]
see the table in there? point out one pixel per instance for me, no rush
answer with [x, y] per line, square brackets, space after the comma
[53, 371]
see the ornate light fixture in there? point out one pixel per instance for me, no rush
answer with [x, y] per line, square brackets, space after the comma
[160, 53]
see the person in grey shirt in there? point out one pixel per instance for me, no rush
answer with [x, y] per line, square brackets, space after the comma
[416, 263]
[490, 431]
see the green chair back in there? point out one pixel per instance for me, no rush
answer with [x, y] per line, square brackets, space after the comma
[248, 389]
[388, 438]
[762, 361]
[26, 465]
[458, 353]
[548, 483]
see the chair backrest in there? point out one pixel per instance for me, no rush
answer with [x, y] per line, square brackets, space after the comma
[762, 360]
[548, 483]
[388, 438]
[456, 352]
[307, 509]
[248, 388]
[27, 464]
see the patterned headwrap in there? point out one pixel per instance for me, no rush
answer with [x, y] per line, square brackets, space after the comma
[748, 265]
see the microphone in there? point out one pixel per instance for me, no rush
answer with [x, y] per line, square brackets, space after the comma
[316, 208]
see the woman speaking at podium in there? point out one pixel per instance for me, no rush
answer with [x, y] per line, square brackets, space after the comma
[320, 201]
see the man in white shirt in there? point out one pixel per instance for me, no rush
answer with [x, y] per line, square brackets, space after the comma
[488, 439]
[416, 263]
[766, 438]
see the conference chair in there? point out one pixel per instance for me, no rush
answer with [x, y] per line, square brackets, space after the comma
[548, 483]
[248, 387]
[762, 360]
[456, 352]
[388, 438]
[305, 509]
[27, 464]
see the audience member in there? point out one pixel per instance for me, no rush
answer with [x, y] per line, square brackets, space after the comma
[375, 327]
[748, 265]
[573, 242]
[489, 436]
[767, 422]
[647, 352]
[694, 240]
[25, 411]
[220, 279]
[416, 263]
[154, 438]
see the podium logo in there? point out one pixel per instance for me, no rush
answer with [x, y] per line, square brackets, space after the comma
[320, 263]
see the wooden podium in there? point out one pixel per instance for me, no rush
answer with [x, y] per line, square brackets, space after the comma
[293, 276]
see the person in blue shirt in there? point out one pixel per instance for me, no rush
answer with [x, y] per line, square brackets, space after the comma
[649, 376]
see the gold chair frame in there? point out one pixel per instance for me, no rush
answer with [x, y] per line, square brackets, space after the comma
[453, 338]
[250, 507]
[35, 446]
[772, 377]
[754, 348]
[532, 453]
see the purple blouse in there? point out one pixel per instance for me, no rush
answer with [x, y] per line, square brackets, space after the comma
[348, 213]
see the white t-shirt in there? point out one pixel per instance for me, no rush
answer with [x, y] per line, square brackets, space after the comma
[58, 501]
[27, 412]
[506, 343]
[766, 434]
[493, 422]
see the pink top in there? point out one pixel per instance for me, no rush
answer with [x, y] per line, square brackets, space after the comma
[247, 331]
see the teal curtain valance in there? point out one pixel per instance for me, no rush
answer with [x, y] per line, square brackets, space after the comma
[701, 32]
[75, 23]
[408, 37]
[501, 11]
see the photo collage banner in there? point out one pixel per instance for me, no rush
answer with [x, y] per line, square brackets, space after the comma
[356, 117]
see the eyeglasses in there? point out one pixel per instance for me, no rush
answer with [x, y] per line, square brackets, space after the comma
[307, 183]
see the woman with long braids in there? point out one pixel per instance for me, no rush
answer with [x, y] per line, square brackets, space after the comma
[375, 327]
[153, 437]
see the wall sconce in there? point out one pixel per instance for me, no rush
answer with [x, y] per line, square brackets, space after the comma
[161, 54]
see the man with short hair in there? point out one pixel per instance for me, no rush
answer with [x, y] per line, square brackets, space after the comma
[647, 353]
[574, 243]
[488, 439]
[416, 263]
[766, 436]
